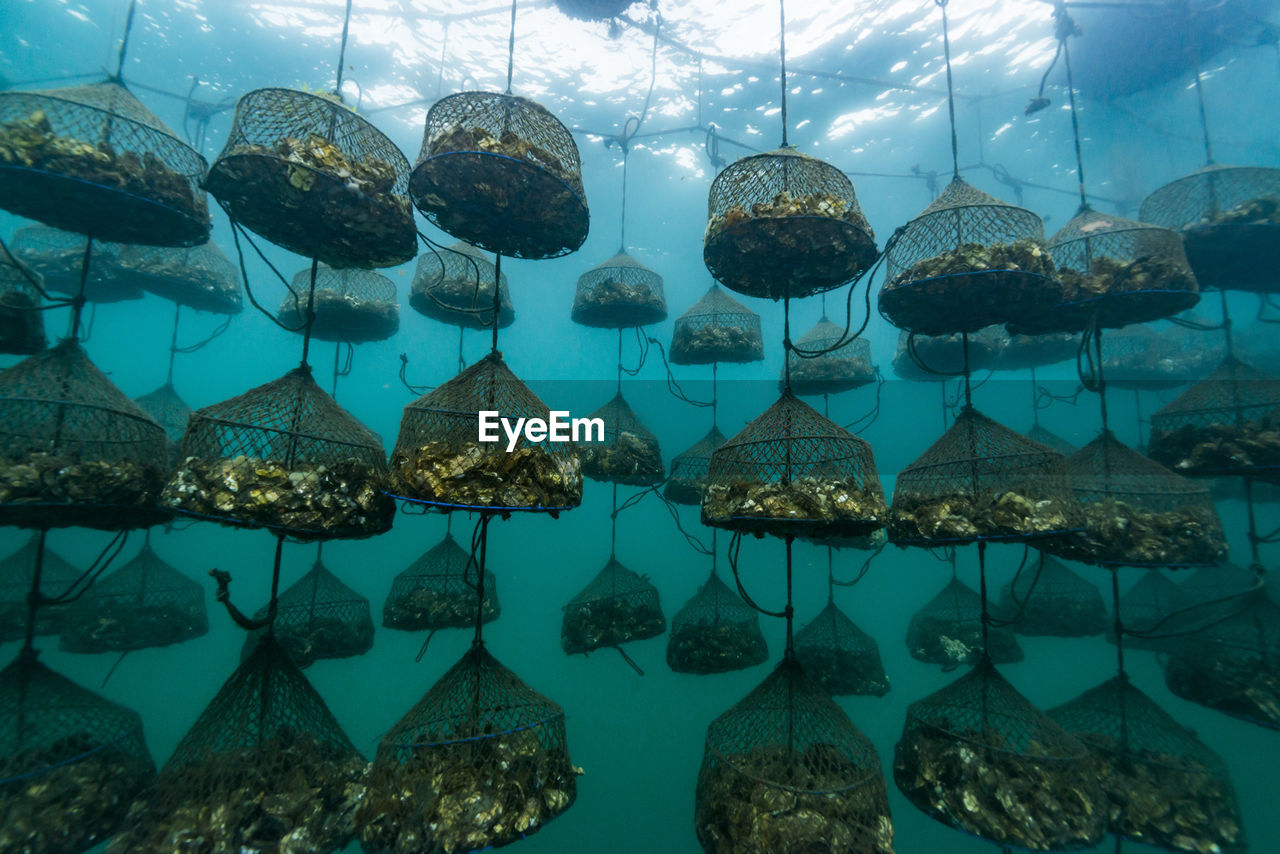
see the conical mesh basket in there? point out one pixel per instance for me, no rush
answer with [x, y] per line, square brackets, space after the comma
[199, 277]
[831, 373]
[617, 606]
[437, 591]
[619, 293]
[839, 656]
[351, 306]
[715, 632]
[1153, 606]
[716, 328]
[1140, 358]
[455, 285]
[948, 631]
[21, 323]
[941, 358]
[629, 453]
[1049, 439]
[318, 617]
[58, 258]
[168, 410]
[56, 578]
[688, 477]
[1053, 600]
[1217, 592]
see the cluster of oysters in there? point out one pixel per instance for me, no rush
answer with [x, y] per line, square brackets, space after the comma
[821, 506]
[476, 475]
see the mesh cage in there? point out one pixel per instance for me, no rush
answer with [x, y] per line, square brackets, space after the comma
[716, 328]
[76, 450]
[199, 277]
[1115, 270]
[1053, 600]
[948, 631]
[785, 770]
[144, 603]
[866, 542]
[977, 756]
[438, 460]
[1020, 352]
[688, 479]
[264, 767]
[479, 762]
[310, 175]
[792, 472]
[968, 261]
[1149, 607]
[21, 324]
[1141, 359]
[1228, 218]
[715, 632]
[283, 456]
[593, 10]
[1050, 440]
[1137, 512]
[618, 294]
[1217, 592]
[72, 762]
[93, 160]
[839, 656]
[1163, 785]
[318, 617]
[616, 607]
[503, 173]
[169, 411]
[943, 355]
[456, 286]
[1226, 424]
[981, 481]
[56, 578]
[58, 258]
[629, 453]
[783, 224]
[831, 373]
[351, 306]
[437, 591]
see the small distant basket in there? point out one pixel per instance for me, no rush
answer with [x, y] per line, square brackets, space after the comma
[455, 285]
[351, 306]
[21, 321]
[199, 277]
[58, 257]
[717, 328]
[618, 294]
[844, 369]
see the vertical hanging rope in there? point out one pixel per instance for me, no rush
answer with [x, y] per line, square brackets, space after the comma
[1035, 407]
[786, 343]
[497, 293]
[462, 363]
[782, 52]
[613, 525]
[311, 312]
[619, 360]
[78, 301]
[342, 50]
[124, 42]
[790, 611]
[622, 227]
[1099, 377]
[337, 348]
[1204, 117]
[1063, 34]
[444, 52]
[480, 570]
[34, 597]
[986, 613]
[173, 344]
[951, 98]
[511, 47]
[715, 400]
[1226, 324]
[274, 604]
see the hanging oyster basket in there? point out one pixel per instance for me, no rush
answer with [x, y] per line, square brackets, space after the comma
[283, 456]
[481, 740]
[21, 321]
[438, 591]
[318, 617]
[784, 224]
[56, 578]
[93, 160]
[1217, 592]
[948, 631]
[1051, 440]
[831, 373]
[839, 656]
[1229, 219]
[438, 460]
[866, 542]
[200, 277]
[715, 632]
[1021, 352]
[688, 478]
[618, 294]
[310, 175]
[77, 452]
[617, 606]
[968, 261]
[72, 762]
[717, 328]
[1140, 359]
[351, 306]
[792, 472]
[786, 770]
[978, 757]
[1053, 600]
[503, 173]
[455, 285]
[1149, 607]
[168, 410]
[944, 354]
[58, 258]
[629, 453]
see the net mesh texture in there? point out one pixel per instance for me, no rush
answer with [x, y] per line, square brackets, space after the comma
[199, 277]
[21, 325]
[629, 453]
[617, 606]
[839, 656]
[437, 591]
[831, 373]
[618, 294]
[455, 285]
[716, 328]
[318, 617]
[948, 631]
[715, 632]
[56, 578]
[351, 306]
[689, 470]
[58, 258]
[1053, 600]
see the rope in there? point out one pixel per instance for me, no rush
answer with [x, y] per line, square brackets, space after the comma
[77, 302]
[497, 293]
[951, 99]
[1060, 14]
[310, 316]
[413, 389]
[236, 231]
[1204, 119]
[342, 51]
[782, 51]
[124, 42]
[511, 47]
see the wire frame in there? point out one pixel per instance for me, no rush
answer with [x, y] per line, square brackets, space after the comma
[786, 770]
[1049, 439]
[998, 755]
[503, 173]
[21, 322]
[839, 656]
[1052, 600]
[93, 160]
[438, 460]
[615, 607]
[629, 453]
[831, 373]
[199, 277]
[455, 285]
[56, 578]
[318, 617]
[716, 328]
[785, 224]
[968, 261]
[688, 479]
[77, 451]
[312, 176]
[351, 306]
[283, 456]
[715, 632]
[438, 591]
[1154, 605]
[943, 355]
[1021, 352]
[1229, 218]
[792, 472]
[58, 258]
[948, 631]
[619, 293]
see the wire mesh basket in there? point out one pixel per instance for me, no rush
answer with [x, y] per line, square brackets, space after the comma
[615, 607]
[93, 160]
[1153, 606]
[1021, 352]
[310, 175]
[318, 617]
[21, 321]
[1046, 437]
[715, 632]
[1053, 600]
[629, 453]
[502, 172]
[785, 224]
[847, 368]
[198, 277]
[351, 306]
[56, 578]
[438, 591]
[688, 479]
[941, 358]
[1216, 592]
[716, 328]
[58, 258]
[168, 410]
[1141, 359]
[839, 656]
[456, 286]
[948, 631]
[619, 293]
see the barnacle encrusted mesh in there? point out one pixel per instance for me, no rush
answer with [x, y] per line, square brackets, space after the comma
[716, 328]
[352, 306]
[981, 481]
[72, 762]
[1229, 218]
[144, 603]
[617, 606]
[283, 456]
[438, 591]
[943, 355]
[264, 765]
[1142, 359]
[831, 373]
[1137, 512]
[782, 224]
[689, 470]
[318, 617]
[502, 172]
[199, 277]
[21, 324]
[1163, 786]
[310, 175]
[1020, 352]
[76, 450]
[56, 578]
[977, 756]
[1049, 439]
[948, 630]
[715, 632]
[455, 285]
[93, 160]
[786, 770]
[839, 656]
[619, 293]
[629, 453]
[1226, 424]
[1052, 600]
[1155, 606]
[168, 410]
[58, 257]
[439, 461]
[479, 762]
[792, 472]
[967, 261]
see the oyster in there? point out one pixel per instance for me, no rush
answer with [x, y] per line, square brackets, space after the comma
[628, 458]
[476, 475]
[610, 621]
[711, 646]
[959, 517]
[1218, 448]
[1118, 533]
[343, 316]
[120, 625]
[715, 342]
[39, 488]
[806, 505]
